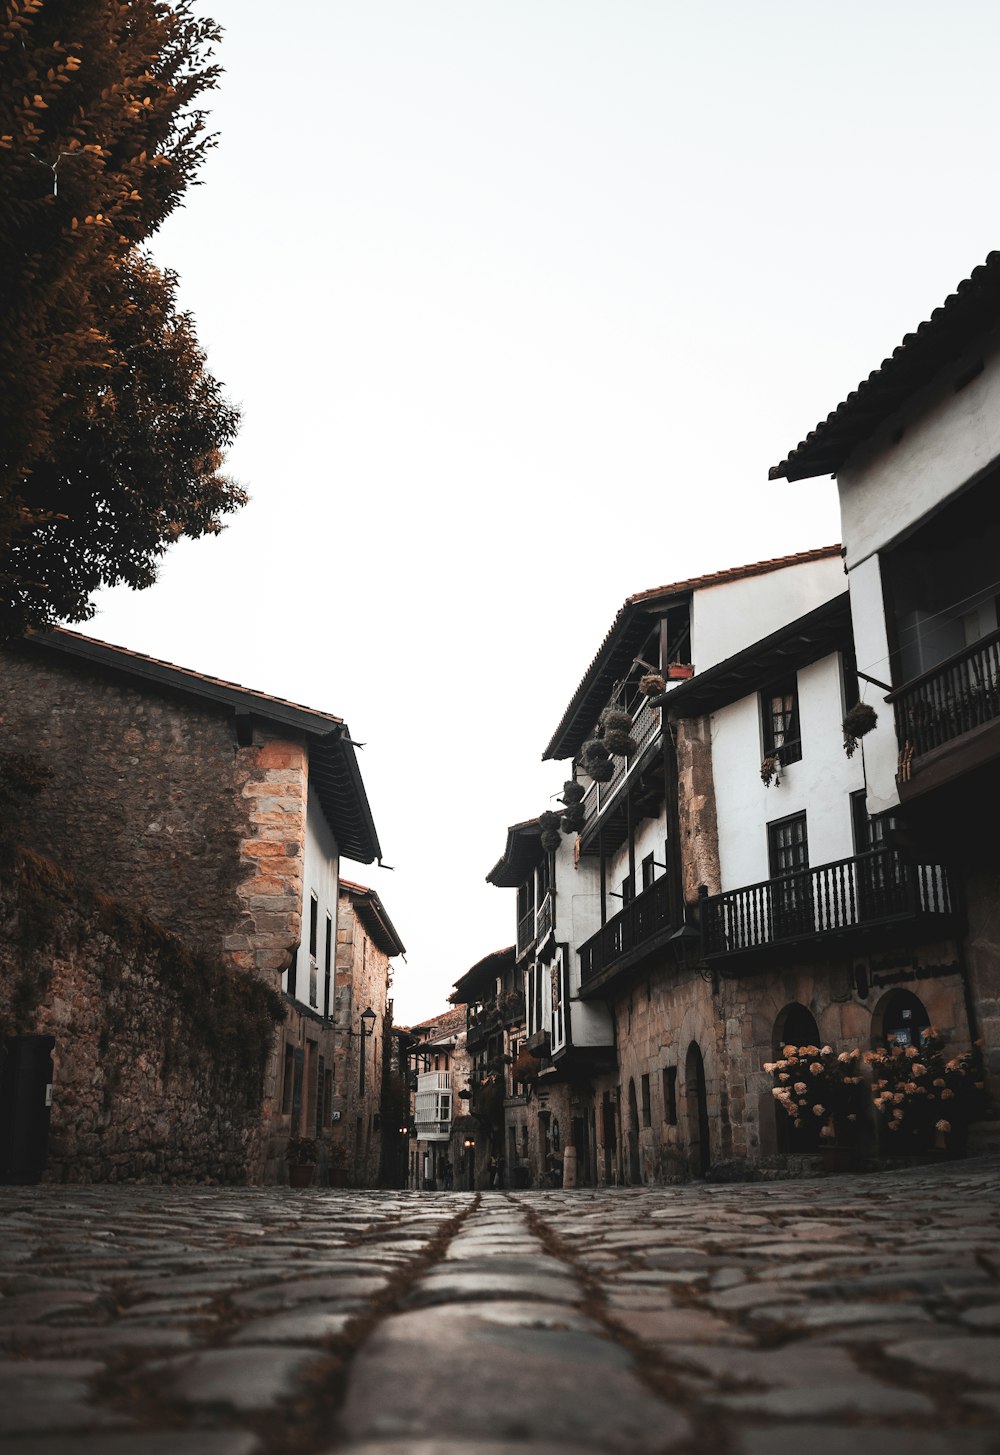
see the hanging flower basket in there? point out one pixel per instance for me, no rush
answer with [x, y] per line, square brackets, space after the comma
[770, 771]
[595, 760]
[572, 792]
[616, 721]
[652, 684]
[620, 743]
[548, 821]
[526, 1068]
[551, 840]
[859, 721]
[573, 819]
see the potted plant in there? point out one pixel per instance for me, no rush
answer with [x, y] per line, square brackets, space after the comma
[338, 1165]
[817, 1086]
[925, 1098]
[301, 1154]
[680, 671]
[652, 684]
[770, 770]
[857, 724]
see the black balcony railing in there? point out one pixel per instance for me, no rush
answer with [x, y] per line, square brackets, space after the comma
[526, 931]
[631, 927]
[864, 891]
[544, 921]
[958, 695]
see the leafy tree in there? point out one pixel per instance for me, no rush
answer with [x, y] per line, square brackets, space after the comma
[111, 428]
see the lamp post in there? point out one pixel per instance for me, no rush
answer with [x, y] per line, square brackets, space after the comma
[367, 1029]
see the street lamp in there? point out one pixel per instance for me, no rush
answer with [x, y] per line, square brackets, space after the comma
[367, 1029]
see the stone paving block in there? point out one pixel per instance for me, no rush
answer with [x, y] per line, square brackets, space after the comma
[679, 1326]
[303, 1325]
[859, 1397]
[41, 1395]
[349, 1288]
[140, 1442]
[807, 1315]
[463, 1446]
[459, 1283]
[977, 1360]
[571, 1388]
[869, 1440]
[249, 1380]
[986, 1316]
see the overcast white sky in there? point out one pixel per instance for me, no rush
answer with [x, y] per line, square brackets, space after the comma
[520, 301]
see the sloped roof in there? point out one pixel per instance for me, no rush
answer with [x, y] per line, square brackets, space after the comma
[966, 315]
[333, 765]
[521, 854]
[445, 1026]
[481, 973]
[371, 912]
[626, 635]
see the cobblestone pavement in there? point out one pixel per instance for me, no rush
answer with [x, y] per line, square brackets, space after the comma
[814, 1317]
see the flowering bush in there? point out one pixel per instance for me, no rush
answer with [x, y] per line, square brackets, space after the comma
[919, 1090]
[819, 1088]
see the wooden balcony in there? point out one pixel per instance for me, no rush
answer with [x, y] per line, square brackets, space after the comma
[645, 730]
[525, 933]
[864, 896]
[627, 939]
[948, 719]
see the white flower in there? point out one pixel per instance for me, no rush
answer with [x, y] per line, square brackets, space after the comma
[819, 1111]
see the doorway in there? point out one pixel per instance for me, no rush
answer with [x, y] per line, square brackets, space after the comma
[696, 1098]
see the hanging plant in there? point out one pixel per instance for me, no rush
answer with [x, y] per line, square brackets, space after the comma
[551, 839]
[548, 821]
[572, 792]
[573, 819]
[593, 750]
[621, 744]
[652, 684]
[614, 720]
[602, 770]
[770, 771]
[859, 721]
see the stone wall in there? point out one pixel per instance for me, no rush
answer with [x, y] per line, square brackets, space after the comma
[152, 800]
[698, 829]
[361, 980]
[160, 1052]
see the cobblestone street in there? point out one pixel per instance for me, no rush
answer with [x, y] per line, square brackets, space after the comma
[837, 1314]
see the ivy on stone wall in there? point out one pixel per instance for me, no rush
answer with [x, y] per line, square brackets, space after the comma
[217, 1009]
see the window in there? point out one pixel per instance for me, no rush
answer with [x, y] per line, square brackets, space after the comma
[791, 897]
[288, 1081]
[313, 939]
[779, 707]
[327, 968]
[647, 1115]
[670, 1095]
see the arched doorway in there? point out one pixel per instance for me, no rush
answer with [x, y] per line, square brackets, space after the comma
[795, 1026]
[696, 1104]
[901, 1015]
[634, 1167]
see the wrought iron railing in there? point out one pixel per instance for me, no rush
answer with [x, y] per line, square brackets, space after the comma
[862, 891]
[958, 695]
[525, 931]
[631, 927]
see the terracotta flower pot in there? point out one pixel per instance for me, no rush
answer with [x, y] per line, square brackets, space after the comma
[300, 1174]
